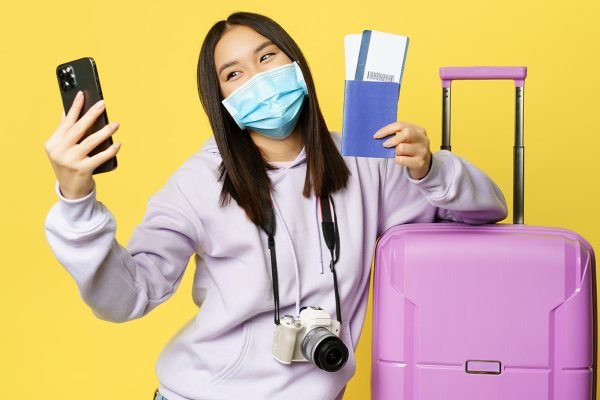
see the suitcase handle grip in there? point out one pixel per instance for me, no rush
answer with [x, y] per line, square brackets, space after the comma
[448, 74]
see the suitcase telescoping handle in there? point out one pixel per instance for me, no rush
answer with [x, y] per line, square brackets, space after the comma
[518, 74]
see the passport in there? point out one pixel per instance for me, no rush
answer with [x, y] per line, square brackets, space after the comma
[374, 68]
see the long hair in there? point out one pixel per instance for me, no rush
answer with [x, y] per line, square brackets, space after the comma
[243, 170]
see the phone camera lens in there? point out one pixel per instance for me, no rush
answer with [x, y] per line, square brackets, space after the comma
[61, 73]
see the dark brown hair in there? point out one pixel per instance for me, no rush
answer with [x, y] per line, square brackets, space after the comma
[243, 170]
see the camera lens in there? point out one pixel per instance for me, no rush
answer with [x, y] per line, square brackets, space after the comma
[61, 73]
[324, 349]
[66, 86]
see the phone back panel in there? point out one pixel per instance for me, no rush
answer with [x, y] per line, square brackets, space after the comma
[483, 312]
[87, 80]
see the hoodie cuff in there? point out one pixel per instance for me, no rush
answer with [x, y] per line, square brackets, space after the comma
[435, 183]
[84, 212]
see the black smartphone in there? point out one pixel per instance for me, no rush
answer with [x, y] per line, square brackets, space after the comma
[82, 74]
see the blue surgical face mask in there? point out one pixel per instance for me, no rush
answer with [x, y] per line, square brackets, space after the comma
[270, 102]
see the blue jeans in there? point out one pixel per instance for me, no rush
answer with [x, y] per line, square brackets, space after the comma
[158, 396]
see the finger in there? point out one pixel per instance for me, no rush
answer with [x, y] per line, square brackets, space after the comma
[75, 108]
[72, 115]
[85, 122]
[408, 161]
[391, 128]
[93, 140]
[394, 141]
[413, 134]
[405, 149]
[91, 163]
[57, 135]
[409, 135]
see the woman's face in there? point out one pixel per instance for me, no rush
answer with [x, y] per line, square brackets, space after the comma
[241, 53]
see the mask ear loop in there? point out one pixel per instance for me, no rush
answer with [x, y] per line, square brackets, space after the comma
[300, 77]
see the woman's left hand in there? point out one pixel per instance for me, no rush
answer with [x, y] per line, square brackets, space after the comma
[412, 146]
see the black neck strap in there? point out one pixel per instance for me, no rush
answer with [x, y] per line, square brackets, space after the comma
[332, 239]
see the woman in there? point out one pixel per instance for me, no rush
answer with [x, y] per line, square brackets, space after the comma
[273, 155]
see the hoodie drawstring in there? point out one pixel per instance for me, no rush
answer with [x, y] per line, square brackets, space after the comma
[319, 235]
[297, 268]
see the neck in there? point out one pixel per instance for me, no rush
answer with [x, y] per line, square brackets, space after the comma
[279, 150]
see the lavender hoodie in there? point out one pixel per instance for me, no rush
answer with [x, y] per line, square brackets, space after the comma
[224, 351]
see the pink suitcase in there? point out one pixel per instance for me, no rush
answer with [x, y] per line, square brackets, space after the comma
[491, 312]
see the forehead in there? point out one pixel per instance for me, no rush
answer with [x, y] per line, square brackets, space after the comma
[237, 43]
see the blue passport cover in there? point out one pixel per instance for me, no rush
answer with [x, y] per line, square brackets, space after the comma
[368, 106]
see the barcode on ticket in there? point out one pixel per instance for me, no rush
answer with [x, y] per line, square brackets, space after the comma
[380, 76]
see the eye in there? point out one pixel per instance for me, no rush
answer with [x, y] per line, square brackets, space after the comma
[229, 75]
[268, 54]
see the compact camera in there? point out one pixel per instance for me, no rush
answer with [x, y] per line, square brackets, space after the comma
[314, 336]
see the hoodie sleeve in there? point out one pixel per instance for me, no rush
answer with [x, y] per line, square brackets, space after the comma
[118, 283]
[458, 191]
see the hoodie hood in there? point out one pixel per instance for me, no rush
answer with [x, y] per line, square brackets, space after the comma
[211, 146]
[278, 177]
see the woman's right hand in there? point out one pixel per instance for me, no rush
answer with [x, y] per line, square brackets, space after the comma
[70, 161]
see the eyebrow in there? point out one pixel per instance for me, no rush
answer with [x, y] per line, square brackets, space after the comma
[231, 63]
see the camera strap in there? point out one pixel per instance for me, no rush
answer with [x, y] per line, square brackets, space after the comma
[331, 235]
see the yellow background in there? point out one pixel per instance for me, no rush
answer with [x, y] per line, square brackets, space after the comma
[53, 347]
